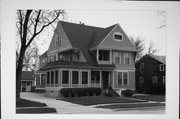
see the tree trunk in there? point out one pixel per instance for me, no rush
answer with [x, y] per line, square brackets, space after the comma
[19, 74]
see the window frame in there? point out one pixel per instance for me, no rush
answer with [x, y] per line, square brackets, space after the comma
[63, 78]
[82, 77]
[117, 54]
[117, 33]
[127, 54]
[73, 76]
[161, 67]
[156, 81]
[103, 52]
[122, 77]
[141, 79]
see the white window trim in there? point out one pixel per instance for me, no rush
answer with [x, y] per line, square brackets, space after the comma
[123, 77]
[164, 79]
[68, 76]
[154, 82]
[117, 33]
[161, 65]
[78, 77]
[129, 58]
[119, 55]
[87, 77]
[141, 79]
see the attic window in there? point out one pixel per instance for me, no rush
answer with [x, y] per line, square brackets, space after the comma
[118, 36]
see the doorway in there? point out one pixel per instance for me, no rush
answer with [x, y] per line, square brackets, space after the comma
[105, 79]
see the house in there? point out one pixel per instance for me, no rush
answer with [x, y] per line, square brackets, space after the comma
[88, 56]
[150, 74]
[27, 81]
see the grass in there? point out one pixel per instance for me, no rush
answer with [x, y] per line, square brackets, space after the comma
[35, 110]
[28, 103]
[117, 106]
[94, 100]
[158, 98]
[27, 106]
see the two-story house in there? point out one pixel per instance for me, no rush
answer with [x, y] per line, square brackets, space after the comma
[150, 74]
[87, 56]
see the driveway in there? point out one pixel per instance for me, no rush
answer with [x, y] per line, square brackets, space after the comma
[63, 107]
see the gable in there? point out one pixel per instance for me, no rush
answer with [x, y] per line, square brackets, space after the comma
[60, 41]
[110, 43]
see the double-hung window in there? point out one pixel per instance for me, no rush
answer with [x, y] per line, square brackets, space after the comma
[127, 59]
[122, 78]
[117, 58]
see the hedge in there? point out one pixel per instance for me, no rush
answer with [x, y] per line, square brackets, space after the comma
[78, 92]
[128, 92]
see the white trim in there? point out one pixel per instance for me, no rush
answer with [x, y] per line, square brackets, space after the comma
[141, 79]
[100, 79]
[125, 70]
[164, 79]
[123, 77]
[129, 56]
[40, 80]
[107, 35]
[113, 78]
[117, 33]
[161, 65]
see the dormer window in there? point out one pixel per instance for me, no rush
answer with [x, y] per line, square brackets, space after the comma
[118, 36]
[161, 67]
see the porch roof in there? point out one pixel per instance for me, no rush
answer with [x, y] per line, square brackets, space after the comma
[75, 64]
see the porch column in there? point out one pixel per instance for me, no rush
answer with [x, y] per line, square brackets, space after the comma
[89, 78]
[80, 79]
[40, 80]
[97, 54]
[113, 79]
[59, 78]
[100, 78]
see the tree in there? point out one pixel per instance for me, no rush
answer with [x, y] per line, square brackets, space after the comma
[31, 23]
[152, 49]
[139, 44]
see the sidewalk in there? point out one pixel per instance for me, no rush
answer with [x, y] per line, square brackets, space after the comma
[63, 107]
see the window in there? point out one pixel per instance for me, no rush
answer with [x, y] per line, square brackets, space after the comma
[95, 77]
[141, 67]
[56, 77]
[65, 77]
[117, 58]
[125, 78]
[52, 77]
[126, 58]
[48, 77]
[161, 66]
[118, 36]
[60, 57]
[84, 77]
[104, 55]
[154, 80]
[54, 57]
[164, 79]
[75, 77]
[122, 78]
[28, 84]
[141, 79]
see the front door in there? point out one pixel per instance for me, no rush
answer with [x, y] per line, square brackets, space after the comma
[105, 79]
[28, 86]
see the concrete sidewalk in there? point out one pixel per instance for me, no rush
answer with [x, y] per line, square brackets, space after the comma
[63, 107]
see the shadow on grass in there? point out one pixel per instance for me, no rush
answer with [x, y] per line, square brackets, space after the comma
[36, 110]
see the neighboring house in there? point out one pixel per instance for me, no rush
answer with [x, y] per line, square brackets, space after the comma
[27, 81]
[87, 56]
[150, 74]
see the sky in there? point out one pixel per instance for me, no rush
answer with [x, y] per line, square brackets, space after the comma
[136, 23]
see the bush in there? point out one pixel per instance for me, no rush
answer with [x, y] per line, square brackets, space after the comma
[74, 92]
[128, 92]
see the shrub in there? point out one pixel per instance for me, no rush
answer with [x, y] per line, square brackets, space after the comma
[128, 92]
[74, 92]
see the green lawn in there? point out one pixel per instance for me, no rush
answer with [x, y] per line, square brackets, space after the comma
[27, 106]
[94, 100]
[118, 106]
[158, 98]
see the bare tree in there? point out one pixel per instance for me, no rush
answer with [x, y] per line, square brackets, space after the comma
[31, 23]
[152, 49]
[140, 46]
[162, 15]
